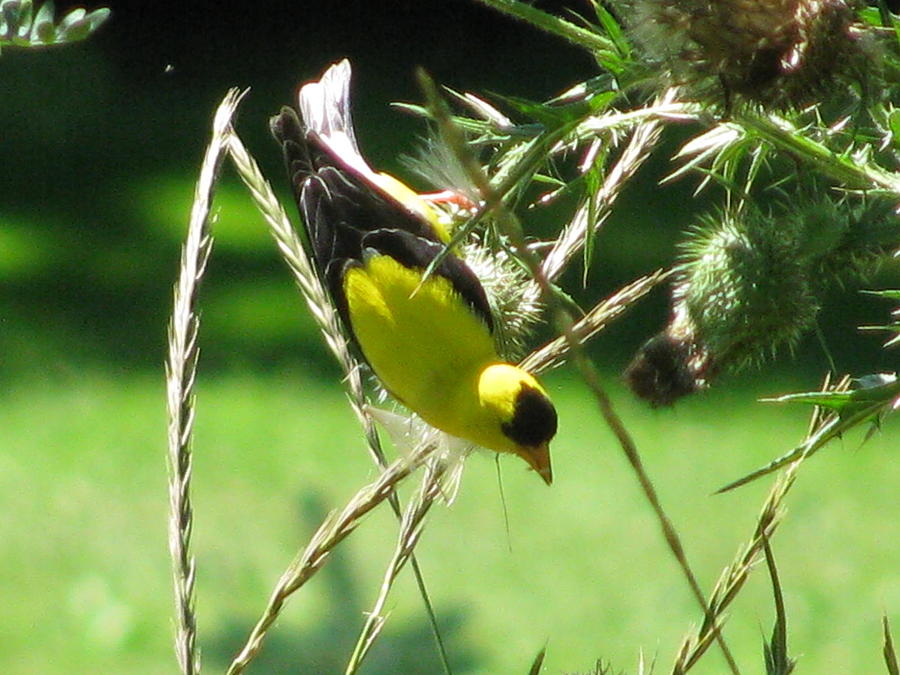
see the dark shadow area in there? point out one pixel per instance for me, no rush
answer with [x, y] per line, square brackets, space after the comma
[402, 648]
[103, 140]
[93, 131]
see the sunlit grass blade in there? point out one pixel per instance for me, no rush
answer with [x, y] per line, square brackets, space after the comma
[853, 172]
[411, 527]
[335, 528]
[181, 373]
[323, 311]
[554, 353]
[735, 575]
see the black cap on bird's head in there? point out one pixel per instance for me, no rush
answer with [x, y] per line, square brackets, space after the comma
[532, 427]
[534, 418]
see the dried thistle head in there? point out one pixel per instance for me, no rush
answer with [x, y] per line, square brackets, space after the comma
[777, 53]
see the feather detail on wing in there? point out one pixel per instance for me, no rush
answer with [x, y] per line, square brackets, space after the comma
[347, 207]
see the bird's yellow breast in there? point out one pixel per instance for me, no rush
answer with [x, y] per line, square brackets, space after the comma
[424, 343]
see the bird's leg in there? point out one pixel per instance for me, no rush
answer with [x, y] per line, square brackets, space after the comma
[450, 197]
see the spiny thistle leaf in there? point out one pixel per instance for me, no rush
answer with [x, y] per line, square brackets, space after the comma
[589, 38]
[878, 389]
[874, 398]
[894, 326]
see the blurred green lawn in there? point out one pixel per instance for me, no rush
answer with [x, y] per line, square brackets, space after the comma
[86, 584]
[104, 141]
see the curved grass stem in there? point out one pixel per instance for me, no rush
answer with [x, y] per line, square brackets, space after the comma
[332, 532]
[181, 373]
[325, 315]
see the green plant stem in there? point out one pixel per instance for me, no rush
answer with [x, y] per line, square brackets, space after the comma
[332, 532]
[852, 173]
[412, 524]
[592, 379]
[509, 225]
[834, 427]
[552, 24]
[736, 574]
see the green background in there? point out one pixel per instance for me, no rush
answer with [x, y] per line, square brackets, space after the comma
[101, 144]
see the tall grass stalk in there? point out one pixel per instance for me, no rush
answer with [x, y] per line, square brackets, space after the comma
[181, 371]
[323, 311]
[335, 528]
[733, 577]
[777, 658]
[411, 527]
[554, 353]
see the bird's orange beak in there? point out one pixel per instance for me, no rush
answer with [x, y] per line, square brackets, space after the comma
[538, 458]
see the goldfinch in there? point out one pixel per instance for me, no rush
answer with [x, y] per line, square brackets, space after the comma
[372, 237]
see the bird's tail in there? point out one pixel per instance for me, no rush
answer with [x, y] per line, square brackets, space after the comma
[325, 104]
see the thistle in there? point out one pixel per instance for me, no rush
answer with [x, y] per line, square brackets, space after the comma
[513, 296]
[777, 53]
[751, 283]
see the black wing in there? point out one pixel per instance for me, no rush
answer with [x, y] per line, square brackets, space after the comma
[337, 203]
[344, 213]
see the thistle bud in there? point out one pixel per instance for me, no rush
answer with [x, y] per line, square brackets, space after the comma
[514, 297]
[742, 290]
[750, 284]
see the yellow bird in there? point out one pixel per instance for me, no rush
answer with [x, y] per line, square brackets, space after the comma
[372, 237]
